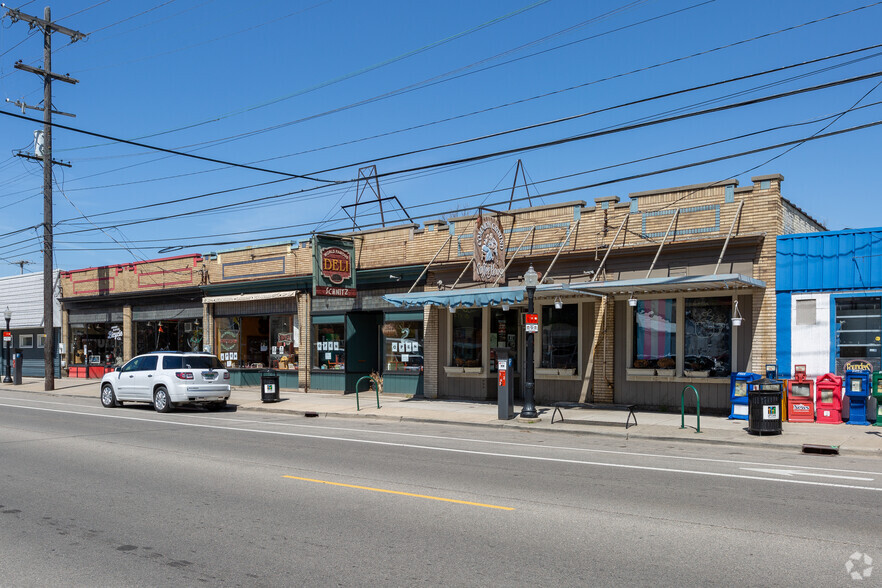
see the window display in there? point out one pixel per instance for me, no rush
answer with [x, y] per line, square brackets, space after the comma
[404, 345]
[96, 344]
[328, 341]
[168, 335]
[284, 344]
[708, 337]
[228, 340]
[859, 322]
[655, 334]
[560, 337]
[467, 337]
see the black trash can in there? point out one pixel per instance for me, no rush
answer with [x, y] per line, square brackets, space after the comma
[269, 386]
[764, 406]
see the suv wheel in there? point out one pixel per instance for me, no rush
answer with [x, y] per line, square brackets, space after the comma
[108, 398]
[161, 401]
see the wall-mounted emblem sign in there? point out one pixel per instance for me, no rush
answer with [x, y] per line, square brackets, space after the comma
[333, 271]
[489, 254]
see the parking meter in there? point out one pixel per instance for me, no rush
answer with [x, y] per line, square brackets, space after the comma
[16, 366]
[504, 384]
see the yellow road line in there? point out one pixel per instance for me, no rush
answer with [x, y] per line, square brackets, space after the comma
[400, 493]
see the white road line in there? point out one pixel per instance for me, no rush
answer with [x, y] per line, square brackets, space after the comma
[461, 451]
[801, 473]
[471, 440]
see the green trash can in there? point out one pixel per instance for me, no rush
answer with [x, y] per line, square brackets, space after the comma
[877, 396]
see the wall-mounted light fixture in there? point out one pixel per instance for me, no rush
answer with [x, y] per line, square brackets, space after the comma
[394, 277]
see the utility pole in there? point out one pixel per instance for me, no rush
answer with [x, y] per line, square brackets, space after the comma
[48, 27]
[21, 263]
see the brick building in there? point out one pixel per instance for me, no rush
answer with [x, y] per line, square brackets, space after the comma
[636, 300]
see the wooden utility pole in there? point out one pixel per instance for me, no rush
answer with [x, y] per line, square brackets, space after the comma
[48, 27]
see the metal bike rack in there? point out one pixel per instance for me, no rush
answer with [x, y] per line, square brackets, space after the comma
[683, 409]
[376, 386]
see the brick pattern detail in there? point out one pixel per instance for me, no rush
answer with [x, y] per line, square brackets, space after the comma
[604, 375]
[304, 356]
[431, 349]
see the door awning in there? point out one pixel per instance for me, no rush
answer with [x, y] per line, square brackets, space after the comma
[477, 297]
[249, 297]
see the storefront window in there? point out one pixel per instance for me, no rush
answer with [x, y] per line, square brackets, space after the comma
[96, 344]
[168, 335]
[560, 337]
[228, 340]
[655, 334]
[284, 342]
[329, 340]
[708, 337]
[467, 337]
[404, 345]
[858, 327]
[504, 333]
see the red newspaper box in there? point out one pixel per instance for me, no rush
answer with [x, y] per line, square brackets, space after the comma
[828, 399]
[800, 397]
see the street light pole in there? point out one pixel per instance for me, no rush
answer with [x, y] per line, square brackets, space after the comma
[7, 314]
[531, 280]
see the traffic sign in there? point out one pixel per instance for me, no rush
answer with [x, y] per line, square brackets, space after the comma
[7, 336]
[531, 319]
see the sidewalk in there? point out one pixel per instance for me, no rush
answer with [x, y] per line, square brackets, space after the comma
[851, 439]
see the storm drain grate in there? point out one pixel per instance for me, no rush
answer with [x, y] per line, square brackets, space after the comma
[821, 449]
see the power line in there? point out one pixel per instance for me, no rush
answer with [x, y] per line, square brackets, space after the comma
[548, 194]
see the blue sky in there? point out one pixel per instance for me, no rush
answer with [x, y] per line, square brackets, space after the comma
[303, 86]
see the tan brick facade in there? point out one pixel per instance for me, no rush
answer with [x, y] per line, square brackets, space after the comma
[702, 215]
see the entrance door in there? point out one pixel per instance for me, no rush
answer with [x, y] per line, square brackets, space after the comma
[362, 346]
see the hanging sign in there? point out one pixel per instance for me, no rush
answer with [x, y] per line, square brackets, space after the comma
[333, 272]
[489, 260]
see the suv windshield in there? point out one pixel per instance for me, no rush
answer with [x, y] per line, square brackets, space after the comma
[191, 362]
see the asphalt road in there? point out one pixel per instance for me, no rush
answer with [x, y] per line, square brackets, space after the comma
[128, 497]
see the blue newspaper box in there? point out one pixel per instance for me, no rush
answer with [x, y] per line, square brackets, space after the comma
[857, 390]
[738, 393]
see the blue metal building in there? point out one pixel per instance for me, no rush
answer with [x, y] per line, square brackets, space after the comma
[829, 299]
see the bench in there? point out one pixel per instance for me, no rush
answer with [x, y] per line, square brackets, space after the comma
[629, 407]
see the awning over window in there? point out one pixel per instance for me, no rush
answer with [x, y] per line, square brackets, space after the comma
[471, 297]
[249, 297]
[671, 284]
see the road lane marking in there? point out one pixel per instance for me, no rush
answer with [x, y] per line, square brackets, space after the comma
[801, 473]
[468, 440]
[400, 493]
[451, 450]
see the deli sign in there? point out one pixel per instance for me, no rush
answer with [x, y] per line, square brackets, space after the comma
[333, 273]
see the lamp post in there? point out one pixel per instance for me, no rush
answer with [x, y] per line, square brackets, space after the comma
[531, 280]
[7, 314]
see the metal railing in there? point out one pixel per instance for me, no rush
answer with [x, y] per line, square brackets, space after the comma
[683, 409]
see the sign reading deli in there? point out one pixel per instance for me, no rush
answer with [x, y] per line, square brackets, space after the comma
[489, 250]
[333, 272]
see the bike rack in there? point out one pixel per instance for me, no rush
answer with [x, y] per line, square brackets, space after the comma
[376, 385]
[683, 409]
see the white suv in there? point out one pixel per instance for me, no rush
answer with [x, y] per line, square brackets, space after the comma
[167, 379]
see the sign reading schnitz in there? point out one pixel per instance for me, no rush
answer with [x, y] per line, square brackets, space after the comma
[332, 268]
